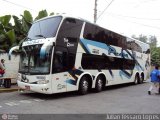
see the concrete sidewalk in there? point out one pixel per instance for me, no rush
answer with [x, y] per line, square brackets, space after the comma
[14, 87]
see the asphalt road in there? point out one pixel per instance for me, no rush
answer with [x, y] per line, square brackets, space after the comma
[118, 99]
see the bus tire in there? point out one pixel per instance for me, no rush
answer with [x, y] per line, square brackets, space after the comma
[83, 85]
[142, 79]
[99, 84]
[136, 80]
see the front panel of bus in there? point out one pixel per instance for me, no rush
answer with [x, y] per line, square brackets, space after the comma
[48, 57]
[36, 56]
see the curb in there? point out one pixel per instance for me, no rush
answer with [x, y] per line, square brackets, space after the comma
[8, 89]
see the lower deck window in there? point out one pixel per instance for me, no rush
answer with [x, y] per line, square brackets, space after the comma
[90, 61]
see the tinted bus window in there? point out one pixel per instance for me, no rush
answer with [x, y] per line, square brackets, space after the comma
[96, 33]
[45, 28]
[90, 61]
[68, 38]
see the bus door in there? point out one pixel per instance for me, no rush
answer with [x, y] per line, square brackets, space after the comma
[59, 69]
[68, 37]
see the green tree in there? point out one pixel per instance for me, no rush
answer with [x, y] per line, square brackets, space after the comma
[11, 35]
[27, 21]
[155, 55]
[153, 41]
[7, 33]
[155, 51]
[141, 37]
[41, 14]
[22, 25]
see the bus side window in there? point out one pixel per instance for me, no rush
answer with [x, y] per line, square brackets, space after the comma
[60, 61]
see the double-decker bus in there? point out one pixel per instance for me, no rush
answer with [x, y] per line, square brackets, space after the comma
[63, 54]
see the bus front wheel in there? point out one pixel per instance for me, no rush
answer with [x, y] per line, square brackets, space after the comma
[84, 86]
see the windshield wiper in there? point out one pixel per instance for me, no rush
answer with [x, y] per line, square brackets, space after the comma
[40, 36]
[29, 38]
[23, 71]
[34, 70]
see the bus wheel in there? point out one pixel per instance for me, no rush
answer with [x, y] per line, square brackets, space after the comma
[136, 80]
[84, 86]
[142, 79]
[99, 84]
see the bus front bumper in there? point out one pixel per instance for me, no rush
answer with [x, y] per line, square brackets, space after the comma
[40, 88]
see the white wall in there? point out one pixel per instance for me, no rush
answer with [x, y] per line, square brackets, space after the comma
[11, 65]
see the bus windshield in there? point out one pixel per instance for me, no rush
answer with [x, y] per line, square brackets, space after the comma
[44, 28]
[32, 62]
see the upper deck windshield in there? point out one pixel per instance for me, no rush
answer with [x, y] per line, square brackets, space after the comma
[44, 28]
[33, 61]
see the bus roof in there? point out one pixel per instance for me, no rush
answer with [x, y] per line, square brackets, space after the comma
[64, 16]
[76, 17]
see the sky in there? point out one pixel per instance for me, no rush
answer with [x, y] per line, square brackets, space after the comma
[127, 17]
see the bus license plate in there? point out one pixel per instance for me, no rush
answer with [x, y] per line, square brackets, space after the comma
[27, 87]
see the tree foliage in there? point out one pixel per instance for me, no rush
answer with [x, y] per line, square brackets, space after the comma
[7, 33]
[155, 55]
[42, 14]
[13, 34]
[141, 37]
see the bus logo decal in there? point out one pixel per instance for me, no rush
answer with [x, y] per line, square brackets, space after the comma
[60, 86]
[67, 42]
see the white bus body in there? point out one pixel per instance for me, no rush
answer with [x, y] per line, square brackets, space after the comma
[67, 54]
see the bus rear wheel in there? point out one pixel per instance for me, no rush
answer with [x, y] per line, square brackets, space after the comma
[136, 80]
[84, 86]
[99, 84]
[142, 79]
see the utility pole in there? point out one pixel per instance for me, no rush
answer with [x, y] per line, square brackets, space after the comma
[95, 11]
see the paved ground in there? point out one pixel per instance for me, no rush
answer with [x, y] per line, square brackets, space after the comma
[117, 99]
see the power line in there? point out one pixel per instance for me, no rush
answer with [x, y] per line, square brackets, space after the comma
[18, 5]
[133, 17]
[138, 23]
[105, 9]
[124, 16]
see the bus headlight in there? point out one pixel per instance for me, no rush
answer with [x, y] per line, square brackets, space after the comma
[43, 81]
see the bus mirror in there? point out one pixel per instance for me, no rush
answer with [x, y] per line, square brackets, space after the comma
[148, 51]
[44, 49]
[11, 50]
